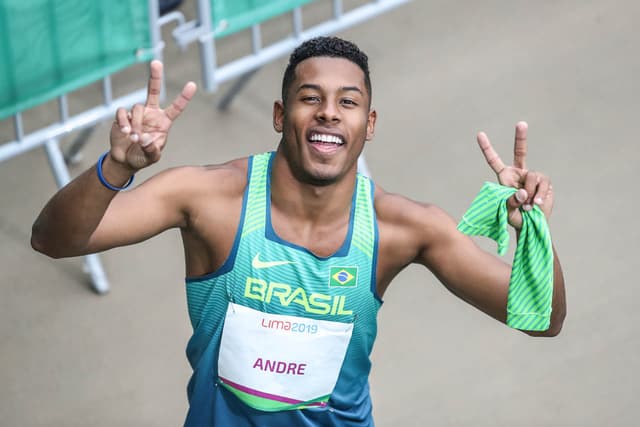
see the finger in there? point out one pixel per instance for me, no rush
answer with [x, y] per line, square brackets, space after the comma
[490, 154]
[180, 103]
[531, 181]
[122, 121]
[544, 185]
[515, 218]
[137, 115]
[513, 204]
[152, 151]
[146, 139]
[154, 87]
[549, 197]
[520, 146]
[518, 199]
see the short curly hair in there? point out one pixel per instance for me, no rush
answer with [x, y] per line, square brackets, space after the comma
[333, 47]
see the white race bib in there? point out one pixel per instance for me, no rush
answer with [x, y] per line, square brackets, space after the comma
[274, 362]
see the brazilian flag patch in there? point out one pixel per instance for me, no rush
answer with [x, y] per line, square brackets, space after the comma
[343, 277]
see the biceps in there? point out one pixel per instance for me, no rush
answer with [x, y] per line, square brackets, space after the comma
[472, 274]
[133, 217]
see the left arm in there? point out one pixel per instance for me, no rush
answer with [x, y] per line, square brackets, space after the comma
[476, 276]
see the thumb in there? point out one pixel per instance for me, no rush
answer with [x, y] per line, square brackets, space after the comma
[518, 198]
[150, 148]
[513, 204]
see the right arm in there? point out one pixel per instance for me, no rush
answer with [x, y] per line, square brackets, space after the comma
[86, 217]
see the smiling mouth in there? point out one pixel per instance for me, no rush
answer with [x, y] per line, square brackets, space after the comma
[326, 139]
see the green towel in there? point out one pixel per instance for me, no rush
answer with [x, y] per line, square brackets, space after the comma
[531, 283]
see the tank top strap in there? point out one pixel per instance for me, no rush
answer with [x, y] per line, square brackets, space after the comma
[256, 203]
[365, 230]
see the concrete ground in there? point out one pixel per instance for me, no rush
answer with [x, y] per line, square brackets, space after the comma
[441, 71]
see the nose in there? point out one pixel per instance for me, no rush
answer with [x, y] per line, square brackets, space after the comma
[328, 112]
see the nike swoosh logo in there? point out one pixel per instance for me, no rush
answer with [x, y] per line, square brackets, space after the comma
[258, 264]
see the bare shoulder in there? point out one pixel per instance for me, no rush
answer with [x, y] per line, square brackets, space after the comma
[186, 185]
[229, 177]
[410, 219]
[408, 229]
[226, 179]
[182, 193]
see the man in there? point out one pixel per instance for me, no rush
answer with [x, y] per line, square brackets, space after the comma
[288, 254]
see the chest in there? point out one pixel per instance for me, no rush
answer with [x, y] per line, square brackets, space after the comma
[322, 240]
[277, 276]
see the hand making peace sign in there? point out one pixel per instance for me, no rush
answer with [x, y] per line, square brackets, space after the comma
[533, 187]
[138, 136]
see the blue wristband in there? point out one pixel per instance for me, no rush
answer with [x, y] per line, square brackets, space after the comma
[104, 181]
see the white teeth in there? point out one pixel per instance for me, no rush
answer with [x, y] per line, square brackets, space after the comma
[321, 137]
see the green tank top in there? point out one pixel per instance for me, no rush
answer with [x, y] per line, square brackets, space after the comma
[271, 276]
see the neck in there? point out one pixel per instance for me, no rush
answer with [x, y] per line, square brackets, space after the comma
[320, 204]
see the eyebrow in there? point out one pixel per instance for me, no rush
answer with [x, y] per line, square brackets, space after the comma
[317, 87]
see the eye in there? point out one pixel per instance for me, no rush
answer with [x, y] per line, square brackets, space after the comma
[349, 102]
[311, 99]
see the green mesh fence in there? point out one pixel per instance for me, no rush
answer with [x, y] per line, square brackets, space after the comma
[230, 16]
[52, 47]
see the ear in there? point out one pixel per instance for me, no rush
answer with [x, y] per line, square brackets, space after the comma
[278, 116]
[371, 124]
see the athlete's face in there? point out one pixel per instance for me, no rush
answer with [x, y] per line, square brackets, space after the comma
[326, 119]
